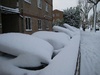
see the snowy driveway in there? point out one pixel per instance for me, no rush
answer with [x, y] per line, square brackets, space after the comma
[90, 53]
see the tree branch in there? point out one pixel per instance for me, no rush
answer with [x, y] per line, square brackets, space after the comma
[89, 8]
[91, 1]
[95, 3]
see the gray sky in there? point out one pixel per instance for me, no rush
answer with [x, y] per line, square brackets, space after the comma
[98, 9]
[64, 4]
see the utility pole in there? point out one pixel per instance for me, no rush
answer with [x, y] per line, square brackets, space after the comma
[95, 2]
[95, 17]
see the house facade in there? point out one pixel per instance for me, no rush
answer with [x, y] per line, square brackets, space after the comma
[25, 16]
[57, 16]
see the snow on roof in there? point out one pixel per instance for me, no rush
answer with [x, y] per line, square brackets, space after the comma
[9, 10]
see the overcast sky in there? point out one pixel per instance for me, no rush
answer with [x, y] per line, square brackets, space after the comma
[64, 4]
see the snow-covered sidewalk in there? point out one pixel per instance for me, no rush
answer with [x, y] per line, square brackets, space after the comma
[90, 53]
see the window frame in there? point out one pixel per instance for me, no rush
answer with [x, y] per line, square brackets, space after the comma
[28, 23]
[47, 24]
[28, 1]
[47, 7]
[39, 24]
[39, 4]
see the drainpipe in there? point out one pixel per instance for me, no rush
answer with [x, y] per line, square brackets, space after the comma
[21, 15]
[0, 19]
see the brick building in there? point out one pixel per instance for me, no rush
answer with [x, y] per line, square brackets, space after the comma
[25, 16]
[57, 16]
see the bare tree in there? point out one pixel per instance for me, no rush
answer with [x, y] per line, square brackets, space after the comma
[95, 2]
[98, 18]
[85, 7]
[98, 15]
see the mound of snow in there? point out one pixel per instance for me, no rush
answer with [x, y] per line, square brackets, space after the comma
[65, 62]
[61, 29]
[57, 40]
[69, 27]
[27, 60]
[18, 44]
[7, 68]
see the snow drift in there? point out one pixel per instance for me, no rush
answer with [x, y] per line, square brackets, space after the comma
[37, 49]
[65, 62]
[17, 44]
[70, 27]
[57, 39]
[7, 68]
[64, 30]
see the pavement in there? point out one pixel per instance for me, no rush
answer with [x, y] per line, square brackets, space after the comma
[90, 53]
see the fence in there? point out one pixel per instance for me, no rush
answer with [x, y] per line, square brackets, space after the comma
[67, 61]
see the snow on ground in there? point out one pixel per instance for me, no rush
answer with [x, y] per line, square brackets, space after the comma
[90, 53]
[64, 63]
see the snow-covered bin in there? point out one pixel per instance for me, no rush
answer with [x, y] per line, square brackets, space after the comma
[65, 62]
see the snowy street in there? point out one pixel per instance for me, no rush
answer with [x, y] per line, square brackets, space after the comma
[90, 53]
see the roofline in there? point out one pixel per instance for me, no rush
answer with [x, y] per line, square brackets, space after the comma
[57, 10]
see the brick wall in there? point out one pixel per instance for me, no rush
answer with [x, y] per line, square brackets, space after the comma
[9, 3]
[57, 14]
[32, 10]
[0, 24]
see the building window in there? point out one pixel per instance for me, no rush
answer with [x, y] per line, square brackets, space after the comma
[17, 4]
[39, 4]
[47, 25]
[57, 15]
[39, 24]
[53, 15]
[46, 7]
[28, 22]
[28, 1]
